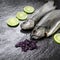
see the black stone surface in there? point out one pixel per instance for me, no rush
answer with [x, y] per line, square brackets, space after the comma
[48, 49]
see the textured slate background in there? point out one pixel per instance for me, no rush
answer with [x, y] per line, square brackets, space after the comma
[48, 49]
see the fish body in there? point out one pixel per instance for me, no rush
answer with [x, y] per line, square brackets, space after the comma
[47, 26]
[31, 22]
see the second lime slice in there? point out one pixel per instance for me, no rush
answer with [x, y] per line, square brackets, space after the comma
[21, 15]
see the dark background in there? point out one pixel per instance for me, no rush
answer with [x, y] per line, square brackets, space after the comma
[48, 49]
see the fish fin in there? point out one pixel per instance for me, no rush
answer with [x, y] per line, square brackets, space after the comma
[54, 29]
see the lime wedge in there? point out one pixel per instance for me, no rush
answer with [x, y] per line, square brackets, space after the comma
[12, 21]
[21, 15]
[57, 37]
[29, 9]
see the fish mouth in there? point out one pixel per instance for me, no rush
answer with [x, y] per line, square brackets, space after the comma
[27, 25]
[35, 37]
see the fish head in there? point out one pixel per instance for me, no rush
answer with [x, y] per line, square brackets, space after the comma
[29, 24]
[38, 33]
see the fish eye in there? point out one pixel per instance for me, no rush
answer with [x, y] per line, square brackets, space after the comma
[34, 31]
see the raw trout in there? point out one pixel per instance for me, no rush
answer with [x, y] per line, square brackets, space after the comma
[47, 26]
[31, 22]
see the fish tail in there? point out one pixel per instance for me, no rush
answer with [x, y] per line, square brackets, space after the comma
[48, 6]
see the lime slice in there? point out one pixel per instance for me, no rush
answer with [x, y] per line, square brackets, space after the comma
[29, 9]
[12, 21]
[57, 37]
[21, 15]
